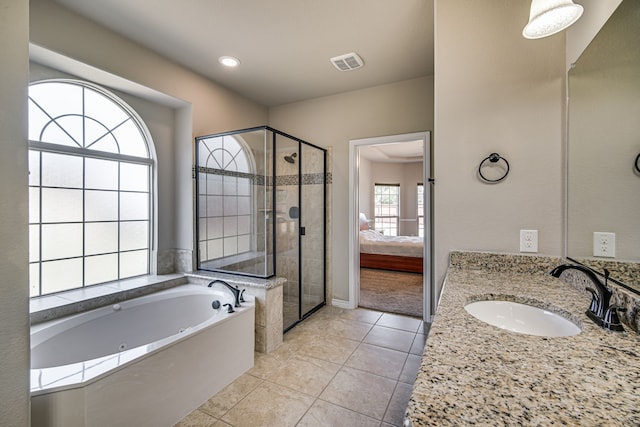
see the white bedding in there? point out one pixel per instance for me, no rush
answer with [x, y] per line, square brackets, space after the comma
[373, 242]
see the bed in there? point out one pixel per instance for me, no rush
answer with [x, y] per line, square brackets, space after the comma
[398, 253]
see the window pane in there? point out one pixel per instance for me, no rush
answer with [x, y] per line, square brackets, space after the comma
[216, 160]
[214, 184]
[202, 184]
[134, 177]
[202, 229]
[103, 109]
[101, 205]
[202, 206]
[101, 174]
[230, 226]
[72, 126]
[134, 235]
[244, 224]
[244, 186]
[241, 162]
[203, 251]
[134, 263]
[130, 140]
[214, 248]
[214, 228]
[244, 206]
[37, 121]
[34, 243]
[244, 244]
[214, 205]
[34, 205]
[107, 143]
[134, 206]
[54, 134]
[61, 275]
[61, 241]
[100, 269]
[60, 170]
[34, 280]
[34, 167]
[60, 205]
[230, 205]
[100, 238]
[57, 98]
[230, 246]
[230, 185]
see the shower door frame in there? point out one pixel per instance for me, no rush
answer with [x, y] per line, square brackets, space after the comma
[301, 315]
[274, 133]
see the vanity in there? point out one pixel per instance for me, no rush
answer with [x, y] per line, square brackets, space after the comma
[473, 373]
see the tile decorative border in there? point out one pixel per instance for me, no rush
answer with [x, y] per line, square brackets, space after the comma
[258, 179]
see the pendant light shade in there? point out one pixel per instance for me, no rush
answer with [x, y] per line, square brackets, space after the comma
[548, 17]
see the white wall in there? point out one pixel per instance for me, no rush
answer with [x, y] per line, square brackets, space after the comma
[365, 196]
[496, 91]
[14, 304]
[393, 109]
[580, 34]
[408, 175]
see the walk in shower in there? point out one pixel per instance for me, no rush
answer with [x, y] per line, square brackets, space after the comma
[261, 212]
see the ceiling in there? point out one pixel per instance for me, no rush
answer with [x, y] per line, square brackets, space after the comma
[394, 152]
[284, 45]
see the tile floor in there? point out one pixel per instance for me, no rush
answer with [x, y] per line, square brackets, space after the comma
[338, 368]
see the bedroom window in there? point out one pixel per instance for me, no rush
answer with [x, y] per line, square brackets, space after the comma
[420, 204]
[90, 180]
[387, 208]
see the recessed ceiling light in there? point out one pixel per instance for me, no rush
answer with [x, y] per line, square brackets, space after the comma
[229, 61]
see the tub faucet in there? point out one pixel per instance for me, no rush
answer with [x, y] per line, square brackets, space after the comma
[235, 290]
[600, 311]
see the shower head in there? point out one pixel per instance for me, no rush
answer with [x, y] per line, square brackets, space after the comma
[292, 158]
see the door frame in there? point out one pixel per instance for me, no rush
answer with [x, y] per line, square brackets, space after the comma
[354, 241]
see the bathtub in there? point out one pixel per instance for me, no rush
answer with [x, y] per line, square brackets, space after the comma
[148, 361]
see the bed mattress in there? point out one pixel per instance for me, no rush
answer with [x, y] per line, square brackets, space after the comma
[374, 242]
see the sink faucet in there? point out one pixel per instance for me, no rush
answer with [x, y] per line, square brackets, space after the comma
[234, 290]
[601, 311]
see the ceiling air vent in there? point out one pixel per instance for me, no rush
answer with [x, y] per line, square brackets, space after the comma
[347, 62]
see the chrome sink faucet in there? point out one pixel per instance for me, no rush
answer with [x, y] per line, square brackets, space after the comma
[237, 295]
[601, 311]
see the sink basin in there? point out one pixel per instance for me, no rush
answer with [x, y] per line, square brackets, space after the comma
[522, 318]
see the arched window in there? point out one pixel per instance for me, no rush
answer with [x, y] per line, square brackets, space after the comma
[225, 214]
[90, 173]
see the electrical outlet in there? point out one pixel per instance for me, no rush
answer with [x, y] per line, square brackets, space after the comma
[528, 240]
[604, 244]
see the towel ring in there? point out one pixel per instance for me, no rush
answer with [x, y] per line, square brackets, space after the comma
[494, 158]
[637, 164]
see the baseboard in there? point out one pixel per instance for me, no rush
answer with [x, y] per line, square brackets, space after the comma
[341, 303]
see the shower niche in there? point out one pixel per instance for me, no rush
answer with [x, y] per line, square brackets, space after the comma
[261, 212]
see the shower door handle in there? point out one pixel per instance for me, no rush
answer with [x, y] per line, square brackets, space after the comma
[302, 231]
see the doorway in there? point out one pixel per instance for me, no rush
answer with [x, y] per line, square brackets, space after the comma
[394, 211]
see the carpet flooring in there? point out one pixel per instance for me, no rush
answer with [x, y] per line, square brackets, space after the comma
[391, 291]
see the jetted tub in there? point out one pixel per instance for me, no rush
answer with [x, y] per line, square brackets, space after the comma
[148, 361]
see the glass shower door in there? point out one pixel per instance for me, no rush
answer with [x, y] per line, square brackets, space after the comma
[312, 229]
[287, 220]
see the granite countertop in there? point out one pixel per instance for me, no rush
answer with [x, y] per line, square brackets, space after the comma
[476, 374]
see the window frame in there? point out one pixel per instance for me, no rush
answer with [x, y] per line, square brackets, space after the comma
[84, 153]
[386, 219]
[420, 218]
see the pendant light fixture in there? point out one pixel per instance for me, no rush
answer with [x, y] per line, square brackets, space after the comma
[548, 17]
